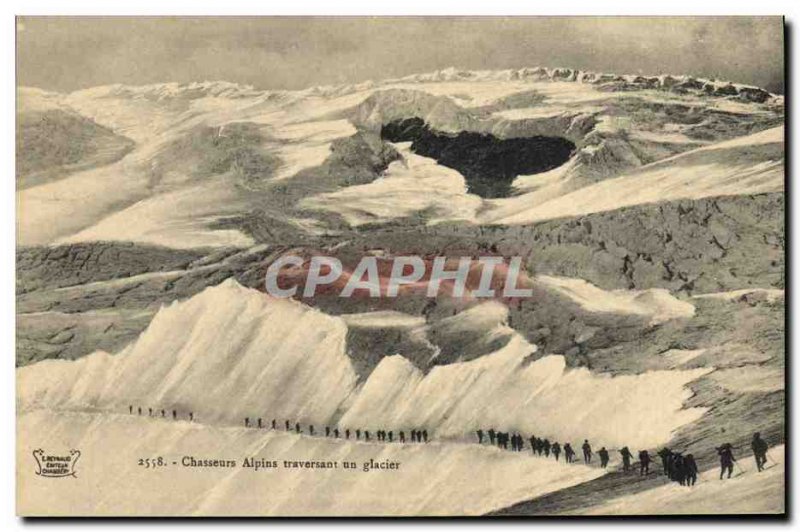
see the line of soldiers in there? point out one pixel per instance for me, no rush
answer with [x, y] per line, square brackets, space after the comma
[676, 466]
[416, 435]
[154, 412]
[542, 446]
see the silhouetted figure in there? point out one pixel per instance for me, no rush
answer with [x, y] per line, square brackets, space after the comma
[174, 414]
[273, 424]
[259, 422]
[327, 432]
[603, 454]
[644, 463]
[247, 422]
[546, 447]
[678, 468]
[480, 436]
[390, 436]
[665, 454]
[130, 409]
[311, 430]
[336, 432]
[150, 412]
[413, 436]
[358, 434]
[533, 444]
[759, 451]
[366, 435]
[569, 453]
[626, 458]
[287, 425]
[556, 448]
[587, 451]
[425, 435]
[346, 434]
[726, 459]
[140, 410]
[163, 414]
[297, 428]
[691, 469]
[491, 433]
[191, 416]
[402, 436]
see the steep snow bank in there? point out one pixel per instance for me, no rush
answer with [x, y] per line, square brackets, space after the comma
[231, 352]
[226, 353]
[501, 390]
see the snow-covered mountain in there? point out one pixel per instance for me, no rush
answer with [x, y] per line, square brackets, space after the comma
[648, 212]
[206, 153]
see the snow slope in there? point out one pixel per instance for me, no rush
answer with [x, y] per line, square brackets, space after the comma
[748, 492]
[432, 479]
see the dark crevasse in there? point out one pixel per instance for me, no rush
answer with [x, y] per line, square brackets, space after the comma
[489, 164]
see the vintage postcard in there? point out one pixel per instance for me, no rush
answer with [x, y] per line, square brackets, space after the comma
[364, 266]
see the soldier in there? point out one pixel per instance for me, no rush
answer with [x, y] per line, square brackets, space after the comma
[491, 436]
[150, 412]
[546, 447]
[556, 450]
[480, 436]
[191, 416]
[336, 432]
[665, 455]
[358, 434]
[413, 436]
[587, 451]
[568, 453]
[346, 434]
[287, 424]
[691, 469]
[678, 467]
[726, 459]
[327, 432]
[366, 435]
[130, 409]
[759, 451]
[402, 437]
[533, 444]
[163, 414]
[311, 430]
[273, 424]
[174, 414]
[644, 463]
[626, 458]
[425, 435]
[247, 422]
[140, 410]
[390, 436]
[297, 428]
[603, 454]
[259, 422]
